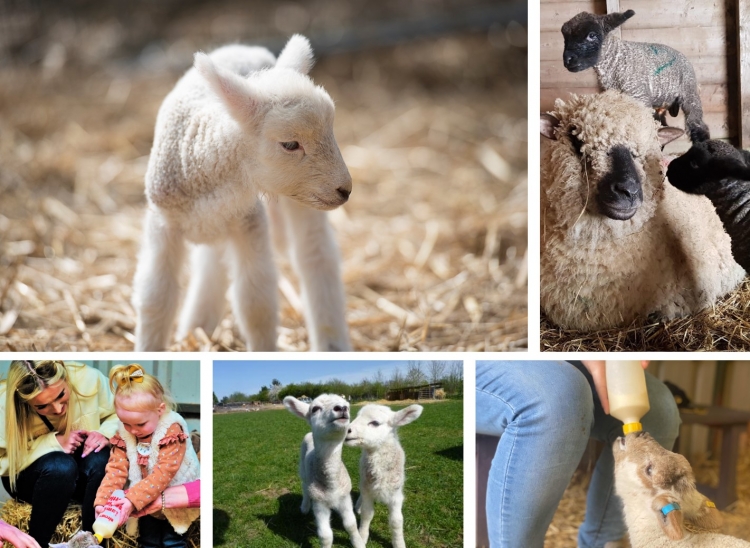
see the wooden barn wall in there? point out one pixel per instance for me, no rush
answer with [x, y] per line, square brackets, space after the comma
[706, 383]
[705, 31]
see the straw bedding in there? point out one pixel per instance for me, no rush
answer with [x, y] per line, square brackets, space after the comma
[563, 531]
[723, 327]
[433, 239]
[18, 514]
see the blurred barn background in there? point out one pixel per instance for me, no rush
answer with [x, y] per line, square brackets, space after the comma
[431, 119]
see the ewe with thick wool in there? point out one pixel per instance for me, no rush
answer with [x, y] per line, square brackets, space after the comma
[659, 498]
[617, 243]
[656, 75]
[381, 466]
[326, 484]
[720, 172]
[239, 126]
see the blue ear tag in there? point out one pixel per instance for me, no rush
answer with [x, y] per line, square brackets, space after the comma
[670, 508]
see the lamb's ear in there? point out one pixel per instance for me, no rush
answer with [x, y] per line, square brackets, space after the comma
[297, 55]
[669, 515]
[407, 415]
[708, 517]
[237, 94]
[668, 134]
[547, 125]
[611, 21]
[297, 407]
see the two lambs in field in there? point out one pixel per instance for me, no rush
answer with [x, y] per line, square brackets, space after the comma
[658, 491]
[239, 126]
[326, 484]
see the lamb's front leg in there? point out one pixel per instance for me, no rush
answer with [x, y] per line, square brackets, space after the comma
[350, 521]
[156, 289]
[396, 520]
[366, 513]
[206, 296]
[316, 260]
[254, 298]
[323, 522]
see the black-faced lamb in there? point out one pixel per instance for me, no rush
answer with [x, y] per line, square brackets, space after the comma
[326, 484]
[657, 488]
[657, 75]
[722, 173]
[238, 127]
[618, 244]
[381, 466]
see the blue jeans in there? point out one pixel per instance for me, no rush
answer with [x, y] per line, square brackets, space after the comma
[158, 533]
[545, 413]
[52, 481]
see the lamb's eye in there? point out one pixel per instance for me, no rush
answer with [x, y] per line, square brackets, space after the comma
[315, 409]
[374, 423]
[693, 164]
[634, 154]
[649, 469]
[591, 37]
[290, 145]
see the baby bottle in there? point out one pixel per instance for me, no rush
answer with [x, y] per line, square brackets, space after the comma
[106, 524]
[628, 398]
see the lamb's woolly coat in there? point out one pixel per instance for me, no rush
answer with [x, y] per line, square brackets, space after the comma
[672, 258]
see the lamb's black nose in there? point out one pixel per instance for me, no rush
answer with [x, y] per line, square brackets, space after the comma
[569, 59]
[344, 193]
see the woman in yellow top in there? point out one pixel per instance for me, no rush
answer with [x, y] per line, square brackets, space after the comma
[55, 424]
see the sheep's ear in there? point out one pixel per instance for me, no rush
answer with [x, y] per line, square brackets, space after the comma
[297, 407]
[296, 55]
[547, 126]
[407, 415]
[668, 134]
[613, 20]
[671, 523]
[242, 101]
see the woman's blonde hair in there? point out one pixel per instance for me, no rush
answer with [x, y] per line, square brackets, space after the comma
[26, 380]
[132, 380]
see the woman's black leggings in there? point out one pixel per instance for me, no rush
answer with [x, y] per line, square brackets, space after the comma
[52, 481]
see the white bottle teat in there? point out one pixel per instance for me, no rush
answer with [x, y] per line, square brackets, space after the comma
[628, 397]
[106, 524]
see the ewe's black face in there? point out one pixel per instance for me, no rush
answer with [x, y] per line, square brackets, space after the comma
[620, 193]
[690, 171]
[583, 42]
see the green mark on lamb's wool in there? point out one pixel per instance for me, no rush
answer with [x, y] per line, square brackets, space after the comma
[665, 65]
[655, 50]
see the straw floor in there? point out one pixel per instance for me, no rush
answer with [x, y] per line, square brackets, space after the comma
[433, 239]
[563, 531]
[18, 514]
[723, 327]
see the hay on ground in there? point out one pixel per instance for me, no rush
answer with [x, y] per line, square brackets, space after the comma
[722, 327]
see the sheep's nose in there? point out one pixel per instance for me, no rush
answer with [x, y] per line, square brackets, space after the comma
[344, 192]
[337, 409]
[628, 188]
[568, 58]
[349, 431]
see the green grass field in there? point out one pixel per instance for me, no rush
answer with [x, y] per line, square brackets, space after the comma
[257, 491]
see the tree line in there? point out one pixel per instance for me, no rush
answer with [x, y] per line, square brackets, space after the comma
[449, 373]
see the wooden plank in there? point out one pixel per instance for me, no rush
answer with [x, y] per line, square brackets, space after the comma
[713, 97]
[743, 69]
[613, 6]
[676, 14]
[708, 70]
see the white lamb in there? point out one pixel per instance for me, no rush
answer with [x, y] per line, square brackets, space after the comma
[238, 127]
[381, 466]
[618, 244]
[658, 492]
[325, 482]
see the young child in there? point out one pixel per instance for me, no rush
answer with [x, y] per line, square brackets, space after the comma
[150, 452]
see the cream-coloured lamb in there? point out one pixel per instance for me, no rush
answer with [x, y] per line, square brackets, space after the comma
[658, 492]
[618, 244]
[238, 127]
[381, 466]
[326, 484]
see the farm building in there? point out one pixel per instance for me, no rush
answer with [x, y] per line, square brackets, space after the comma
[707, 33]
[421, 392]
